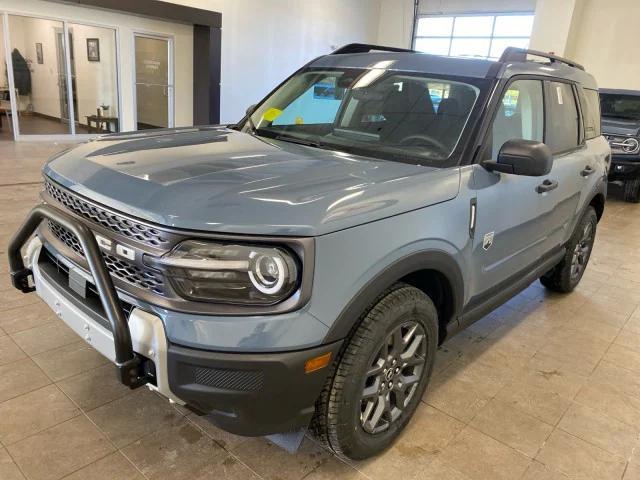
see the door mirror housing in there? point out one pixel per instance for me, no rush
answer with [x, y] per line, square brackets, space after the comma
[522, 157]
[251, 109]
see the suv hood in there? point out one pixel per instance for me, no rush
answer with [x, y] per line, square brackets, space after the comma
[220, 180]
[620, 126]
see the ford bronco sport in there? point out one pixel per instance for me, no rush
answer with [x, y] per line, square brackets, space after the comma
[301, 268]
[621, 127]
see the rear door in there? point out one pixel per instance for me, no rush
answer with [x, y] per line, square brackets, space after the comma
[573, 167]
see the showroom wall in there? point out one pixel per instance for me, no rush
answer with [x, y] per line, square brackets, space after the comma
[605, 41]
[265, 41]
[591, 32]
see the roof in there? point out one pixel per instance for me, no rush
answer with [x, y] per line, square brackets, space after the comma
[411, 61]
[408, 62]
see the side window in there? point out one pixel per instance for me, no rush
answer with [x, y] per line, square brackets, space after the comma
[562, 118]
[590, 102]
[520, 114]
[319, 104]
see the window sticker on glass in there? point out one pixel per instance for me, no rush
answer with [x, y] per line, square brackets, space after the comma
[510, 102]
[559, 92]
[271, 114]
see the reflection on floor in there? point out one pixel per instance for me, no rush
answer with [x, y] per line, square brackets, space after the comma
[36, 125]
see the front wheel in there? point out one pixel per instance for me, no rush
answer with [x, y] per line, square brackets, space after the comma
[566, 275]
[381, 376]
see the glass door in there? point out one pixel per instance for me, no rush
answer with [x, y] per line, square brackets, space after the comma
[6, 116]
[38, 60]
[154, 82]
[57, 78]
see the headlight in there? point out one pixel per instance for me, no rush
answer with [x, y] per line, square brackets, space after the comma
[239, 274]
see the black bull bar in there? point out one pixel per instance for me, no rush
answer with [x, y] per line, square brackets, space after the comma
[128, 363]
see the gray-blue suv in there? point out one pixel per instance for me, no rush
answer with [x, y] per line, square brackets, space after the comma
[300, 268]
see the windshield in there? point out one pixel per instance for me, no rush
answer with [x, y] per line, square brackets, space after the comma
[620, 106]
[386, 114]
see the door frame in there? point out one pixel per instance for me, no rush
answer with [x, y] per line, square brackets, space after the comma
[170, 74]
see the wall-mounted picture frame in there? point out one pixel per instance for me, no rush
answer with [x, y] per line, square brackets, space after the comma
[39, 55]
[93, 49]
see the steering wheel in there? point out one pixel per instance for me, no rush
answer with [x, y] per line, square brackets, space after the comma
[411, 139]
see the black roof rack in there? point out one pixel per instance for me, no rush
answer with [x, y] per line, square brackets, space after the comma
[513, 54]
[366, 48]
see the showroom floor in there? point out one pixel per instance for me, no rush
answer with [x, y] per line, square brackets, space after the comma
[548, 387]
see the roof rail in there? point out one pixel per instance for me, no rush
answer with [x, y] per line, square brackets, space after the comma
[513, 54]
[366, 48]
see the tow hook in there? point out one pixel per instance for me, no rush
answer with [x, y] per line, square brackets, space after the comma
[20, 280]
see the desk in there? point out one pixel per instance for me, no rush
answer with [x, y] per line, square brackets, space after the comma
[99, 120]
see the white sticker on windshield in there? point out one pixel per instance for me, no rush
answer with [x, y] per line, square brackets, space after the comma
[559, 92]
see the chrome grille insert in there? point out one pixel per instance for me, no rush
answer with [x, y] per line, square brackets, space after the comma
[141, 277]
[116, 223]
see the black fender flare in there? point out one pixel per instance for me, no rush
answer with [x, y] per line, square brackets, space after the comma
[599, 188]
[437, 260]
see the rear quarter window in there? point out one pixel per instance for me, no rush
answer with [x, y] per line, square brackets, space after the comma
[590, 102]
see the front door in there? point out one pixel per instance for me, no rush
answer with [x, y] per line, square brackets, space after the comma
[516, 222]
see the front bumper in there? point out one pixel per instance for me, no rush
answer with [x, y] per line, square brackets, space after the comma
[249, 394]
[625, 167]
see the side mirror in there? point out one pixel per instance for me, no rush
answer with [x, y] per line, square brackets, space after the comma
[522, 157]
[251, 109]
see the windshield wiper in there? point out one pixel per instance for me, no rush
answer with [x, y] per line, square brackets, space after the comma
[300, 141]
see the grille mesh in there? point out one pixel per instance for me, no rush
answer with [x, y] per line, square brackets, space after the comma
[141, 277]
[112, 221]
[239, 380]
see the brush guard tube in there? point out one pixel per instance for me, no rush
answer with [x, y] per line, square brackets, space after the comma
[128, 363]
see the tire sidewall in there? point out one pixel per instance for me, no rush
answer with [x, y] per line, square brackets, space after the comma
[354, 441]
[589, 216]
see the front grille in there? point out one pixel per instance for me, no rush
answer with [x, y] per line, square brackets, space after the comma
[141, 277]
[92, 292]
[116, 223]
[227, 379]
[625, 145]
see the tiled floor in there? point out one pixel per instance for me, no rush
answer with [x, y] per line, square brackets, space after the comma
[547, 387]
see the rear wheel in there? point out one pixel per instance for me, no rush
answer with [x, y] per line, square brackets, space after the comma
[632, 190]
[381, 376]
[566, 275]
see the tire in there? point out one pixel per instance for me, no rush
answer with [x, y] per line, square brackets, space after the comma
[338, 420]
[566, 275]
[632, 190]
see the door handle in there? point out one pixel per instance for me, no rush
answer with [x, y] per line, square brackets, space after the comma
[547, 186]
[587, 171]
